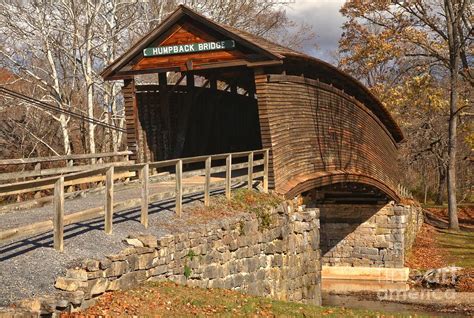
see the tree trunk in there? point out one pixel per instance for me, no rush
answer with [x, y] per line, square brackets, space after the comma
[65, 132]
[441, 184]
[452, 201]
[453, 19]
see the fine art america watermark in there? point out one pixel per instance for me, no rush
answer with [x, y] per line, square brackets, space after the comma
[406, 295]
[444, 278]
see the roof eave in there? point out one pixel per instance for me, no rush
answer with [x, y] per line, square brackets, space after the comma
[109, 72]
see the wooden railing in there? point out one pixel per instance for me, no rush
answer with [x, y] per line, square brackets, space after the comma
[69, 162]
[146, 172]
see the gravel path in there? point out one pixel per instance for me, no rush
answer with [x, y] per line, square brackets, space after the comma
[29, 267]
[122, 192]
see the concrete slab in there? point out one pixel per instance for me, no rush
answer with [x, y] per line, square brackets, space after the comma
[365, 273]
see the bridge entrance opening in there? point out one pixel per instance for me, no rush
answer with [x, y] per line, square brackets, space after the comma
[190, 114]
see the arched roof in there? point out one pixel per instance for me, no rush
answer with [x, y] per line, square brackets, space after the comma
[292, 60]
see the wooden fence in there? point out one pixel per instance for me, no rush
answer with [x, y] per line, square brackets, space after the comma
[69, 163]
[251, 161]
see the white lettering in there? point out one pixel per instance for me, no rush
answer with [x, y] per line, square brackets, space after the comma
[186, 48]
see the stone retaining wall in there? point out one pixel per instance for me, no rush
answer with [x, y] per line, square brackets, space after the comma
[368, 235]
[281, 260]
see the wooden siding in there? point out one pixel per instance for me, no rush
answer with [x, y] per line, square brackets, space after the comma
[314, 128]
[131, 118]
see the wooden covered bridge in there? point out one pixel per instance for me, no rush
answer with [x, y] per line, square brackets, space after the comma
[210, 102]
[195, 87]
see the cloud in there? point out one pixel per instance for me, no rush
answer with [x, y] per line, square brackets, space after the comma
[326, 20]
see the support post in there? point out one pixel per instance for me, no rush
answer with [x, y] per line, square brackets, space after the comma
[266, 156]
[58, 219]
[250, 172]
[109, 199]
[145, 181]
[207, 182]
[179, 187]
[228, 175]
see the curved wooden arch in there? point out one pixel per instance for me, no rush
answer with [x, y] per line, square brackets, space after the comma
[307, 182]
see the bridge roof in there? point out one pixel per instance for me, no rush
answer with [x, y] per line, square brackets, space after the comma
[268, 51]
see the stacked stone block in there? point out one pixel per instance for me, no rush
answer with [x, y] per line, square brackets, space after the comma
[368, 235]
[281, 261]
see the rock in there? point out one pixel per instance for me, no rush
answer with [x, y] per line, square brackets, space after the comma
[98, 286]
[165, 240]
[446, 276]
[134, 242]
[67, 284]
[116, 269]
[91, 264]
[147, 240]
[33, 305]
[75, 297]
[105, 263]
[62, 303]
[48, 305]
[158, 270]
[128, 280]
[79, 274]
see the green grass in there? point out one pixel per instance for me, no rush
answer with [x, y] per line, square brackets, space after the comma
[459, 246]
[167, 299]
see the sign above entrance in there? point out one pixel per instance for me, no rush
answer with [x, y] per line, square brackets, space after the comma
[189, 48]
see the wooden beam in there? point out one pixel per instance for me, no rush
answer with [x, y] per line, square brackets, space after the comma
[58, 220]
[228, 176]
[144, 175]
[165, 113]
[20, 161]
[179, 187]
[250, 171]
[266, 157]
[207, 182]
[109, 200]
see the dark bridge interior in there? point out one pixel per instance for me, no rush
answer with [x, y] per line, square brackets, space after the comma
[346, 193]
[191, 120]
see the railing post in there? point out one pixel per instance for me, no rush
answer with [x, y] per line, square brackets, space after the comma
[179, 187]
[228, 175]
[109, 199]
[266, 159]
[144, 213]
[250, 172]
[207, 182]
[58, 219]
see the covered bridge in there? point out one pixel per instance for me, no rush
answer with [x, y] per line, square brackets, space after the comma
[209, 88]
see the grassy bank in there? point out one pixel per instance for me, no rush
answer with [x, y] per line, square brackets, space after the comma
[167, 299]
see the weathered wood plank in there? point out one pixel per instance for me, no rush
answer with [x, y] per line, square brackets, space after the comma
[250, 171]
[145, 195]
[207, 182]
[179, 187]
[58, 219]
[19, 161]
[109, 200]
[265, 170]
[228, 176]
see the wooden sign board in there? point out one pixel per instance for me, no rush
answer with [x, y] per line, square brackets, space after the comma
[189, 48]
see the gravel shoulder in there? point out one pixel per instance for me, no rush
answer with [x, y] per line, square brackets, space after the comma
[29, 267]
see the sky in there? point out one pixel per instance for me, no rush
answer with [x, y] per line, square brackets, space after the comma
[326, 20]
